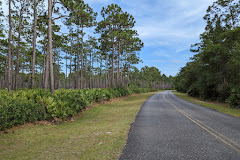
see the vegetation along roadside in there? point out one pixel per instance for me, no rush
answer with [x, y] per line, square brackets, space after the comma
[221, 107]
[37, 105]
[100, 133]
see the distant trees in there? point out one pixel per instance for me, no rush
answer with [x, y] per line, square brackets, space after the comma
[150, 77]
[213, 73]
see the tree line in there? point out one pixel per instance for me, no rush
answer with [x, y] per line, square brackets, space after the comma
[213, 72]
[35, 53]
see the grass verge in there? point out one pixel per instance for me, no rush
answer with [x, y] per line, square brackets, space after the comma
[100, 133]
[221, 107]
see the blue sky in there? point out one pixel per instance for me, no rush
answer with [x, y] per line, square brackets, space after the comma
[167, 27]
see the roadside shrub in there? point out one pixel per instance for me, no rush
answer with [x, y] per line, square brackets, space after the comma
[17, 109]
[142, 90]
[234, 99]
[34, 105]
[124, 92]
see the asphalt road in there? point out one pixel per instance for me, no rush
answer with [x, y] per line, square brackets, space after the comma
[169, 128]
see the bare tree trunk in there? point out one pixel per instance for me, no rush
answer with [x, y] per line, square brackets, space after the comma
[49, 62]
[109, 80]
[113, 80]
[18, 50]
[12, 63]
[118, 63]
[70, 63]
[84, 71]
[98, 79]
[78, 78]
[9, 50]
[106, 84]
[6, 72]
[66, 74]
[128, 76]
[23, 77]
[70, 67]
[50, 45]
[29, 80]
[124, 81]
[121, 79]
[40, 78]
[46, 72]
[44, 65]
[100, 74]
[58, 74]
[82, 77]
[90, 78]
[75, 69]
[34, 43]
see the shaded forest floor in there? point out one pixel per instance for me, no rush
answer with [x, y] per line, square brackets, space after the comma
[221, 107]
[99, 133]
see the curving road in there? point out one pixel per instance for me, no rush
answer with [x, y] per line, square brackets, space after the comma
[169, 128]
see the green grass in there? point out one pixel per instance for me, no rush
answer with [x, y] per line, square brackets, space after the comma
[99, 134]
[221, 107]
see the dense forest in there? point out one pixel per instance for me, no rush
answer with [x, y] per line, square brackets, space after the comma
[213, 73]
[48, 47]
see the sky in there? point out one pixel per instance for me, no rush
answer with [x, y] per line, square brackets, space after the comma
[167, 28]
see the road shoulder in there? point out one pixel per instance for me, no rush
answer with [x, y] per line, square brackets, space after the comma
[220, 107]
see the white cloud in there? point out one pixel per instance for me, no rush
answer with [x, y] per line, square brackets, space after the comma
[178, 50]
[173, 20]
[161, 53]
[94, 2]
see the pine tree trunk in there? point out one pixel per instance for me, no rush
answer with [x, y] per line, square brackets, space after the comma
[106, 80]
[18, 50]
[29, 80]
[6, 72]
[118, 63]
[44, 65]
[34, 43]
[49, 60]
[66, 74]
[75, 70]
[58, 74]
[9, 84]
[121, 79]
[12, 63]
[100, 74]
[70, 66]
[78, 59]
[40, 78]
[50, 46]
[124, 80]
[82, 76]
[90, 80]
[113, 80]
[84, 71]
[46, 82]
[98, 81]
[93, 82]
[23, 76]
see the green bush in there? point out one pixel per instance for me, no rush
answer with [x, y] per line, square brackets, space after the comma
[234, 99]
[31, 105]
